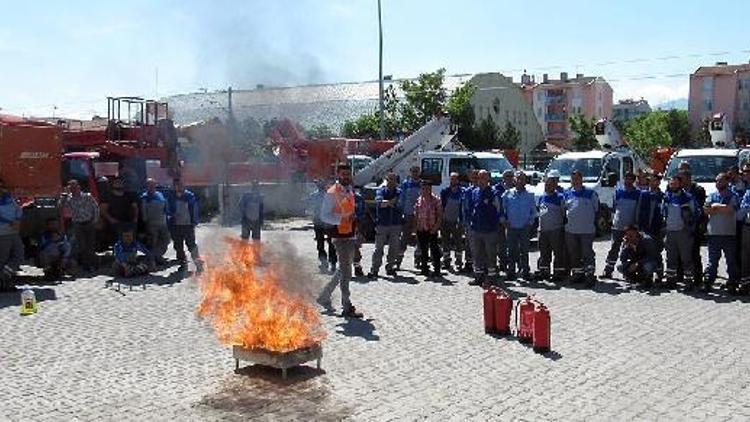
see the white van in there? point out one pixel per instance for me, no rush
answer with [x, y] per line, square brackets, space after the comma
[437, 166]
[603, 171]
[705, 164]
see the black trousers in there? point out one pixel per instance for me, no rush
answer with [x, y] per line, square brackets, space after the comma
[321, 239]
[184, 236]
[428, 242]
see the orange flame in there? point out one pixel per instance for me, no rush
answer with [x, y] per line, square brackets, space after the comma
[249, 307]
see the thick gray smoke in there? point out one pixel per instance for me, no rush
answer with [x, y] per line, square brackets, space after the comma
[253, 44]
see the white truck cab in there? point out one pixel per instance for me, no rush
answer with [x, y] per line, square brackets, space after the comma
[603, 171]
[438, 165]
[705, 164]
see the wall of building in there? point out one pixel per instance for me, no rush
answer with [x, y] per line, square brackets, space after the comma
[498, 97]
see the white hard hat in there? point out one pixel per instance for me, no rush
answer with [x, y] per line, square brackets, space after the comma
[553, 174]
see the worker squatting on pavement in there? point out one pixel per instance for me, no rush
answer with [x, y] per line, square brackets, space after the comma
[640, 257]
[127, 261]
[338, 211]
[625, 206]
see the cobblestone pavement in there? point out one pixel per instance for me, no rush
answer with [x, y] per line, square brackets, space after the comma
[95, 353]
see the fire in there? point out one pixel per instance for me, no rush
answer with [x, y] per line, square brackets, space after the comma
[249, 306]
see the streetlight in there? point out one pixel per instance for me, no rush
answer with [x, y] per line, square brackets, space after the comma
[380, 77]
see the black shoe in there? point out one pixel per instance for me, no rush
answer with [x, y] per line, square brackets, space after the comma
[606, 275]
[437, 273]
[358, 272]
[477, 281]
[590, 281]
[732, 287]
[351, 312]
[372, 275]
[425, 272]
[467, 269]
[391, 272]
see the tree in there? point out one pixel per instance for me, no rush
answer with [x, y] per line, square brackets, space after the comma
[319, 131]
[510, 137]
[485, 134]
[365, 126]
[584, 137]
[648, 132]
[423, 99]
[461, 112]
[704, 136]
[679, 128]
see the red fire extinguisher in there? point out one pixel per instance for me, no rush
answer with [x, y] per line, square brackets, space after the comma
[525, 320]
[542, 329]
[503, 308]
[489, 310]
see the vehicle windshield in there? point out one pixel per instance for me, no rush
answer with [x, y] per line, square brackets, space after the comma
[591, 168]
[78, 170]
[703, 168]
[359, 163]
[496, 166]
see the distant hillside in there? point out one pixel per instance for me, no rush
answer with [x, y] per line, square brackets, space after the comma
[679, 104]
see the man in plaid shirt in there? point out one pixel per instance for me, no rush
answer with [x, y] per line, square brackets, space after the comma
[83, 211]
[428, 218]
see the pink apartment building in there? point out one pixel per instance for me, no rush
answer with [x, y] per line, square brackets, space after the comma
[722, 88]
[556, 100]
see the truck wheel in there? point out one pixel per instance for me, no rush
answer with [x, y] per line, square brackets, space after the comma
[603, 221]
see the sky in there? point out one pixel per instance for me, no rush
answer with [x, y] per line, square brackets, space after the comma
[64, 58]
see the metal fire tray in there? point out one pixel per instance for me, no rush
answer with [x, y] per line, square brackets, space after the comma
[280, 360]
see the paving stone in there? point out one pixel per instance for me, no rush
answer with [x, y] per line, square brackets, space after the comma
[93, 353]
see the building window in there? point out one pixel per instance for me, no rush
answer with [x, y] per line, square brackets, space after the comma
[507, 115]
[707, 105]
[496, 105]
[708, 85]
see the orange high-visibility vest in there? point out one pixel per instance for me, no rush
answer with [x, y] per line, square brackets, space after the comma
[344, 206]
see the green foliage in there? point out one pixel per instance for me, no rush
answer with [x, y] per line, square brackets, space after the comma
[510, 137]
[424, 98]
[319, 132]
[364, 126]
[461, 112]
[485, 134]
[704, 136]
[679, 128]
[648, 132]
[252, 129]
[583, 131]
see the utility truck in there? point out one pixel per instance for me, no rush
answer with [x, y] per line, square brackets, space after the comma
[603, 169]
[706, 163]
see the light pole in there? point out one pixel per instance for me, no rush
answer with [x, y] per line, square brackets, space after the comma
[380, 77]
